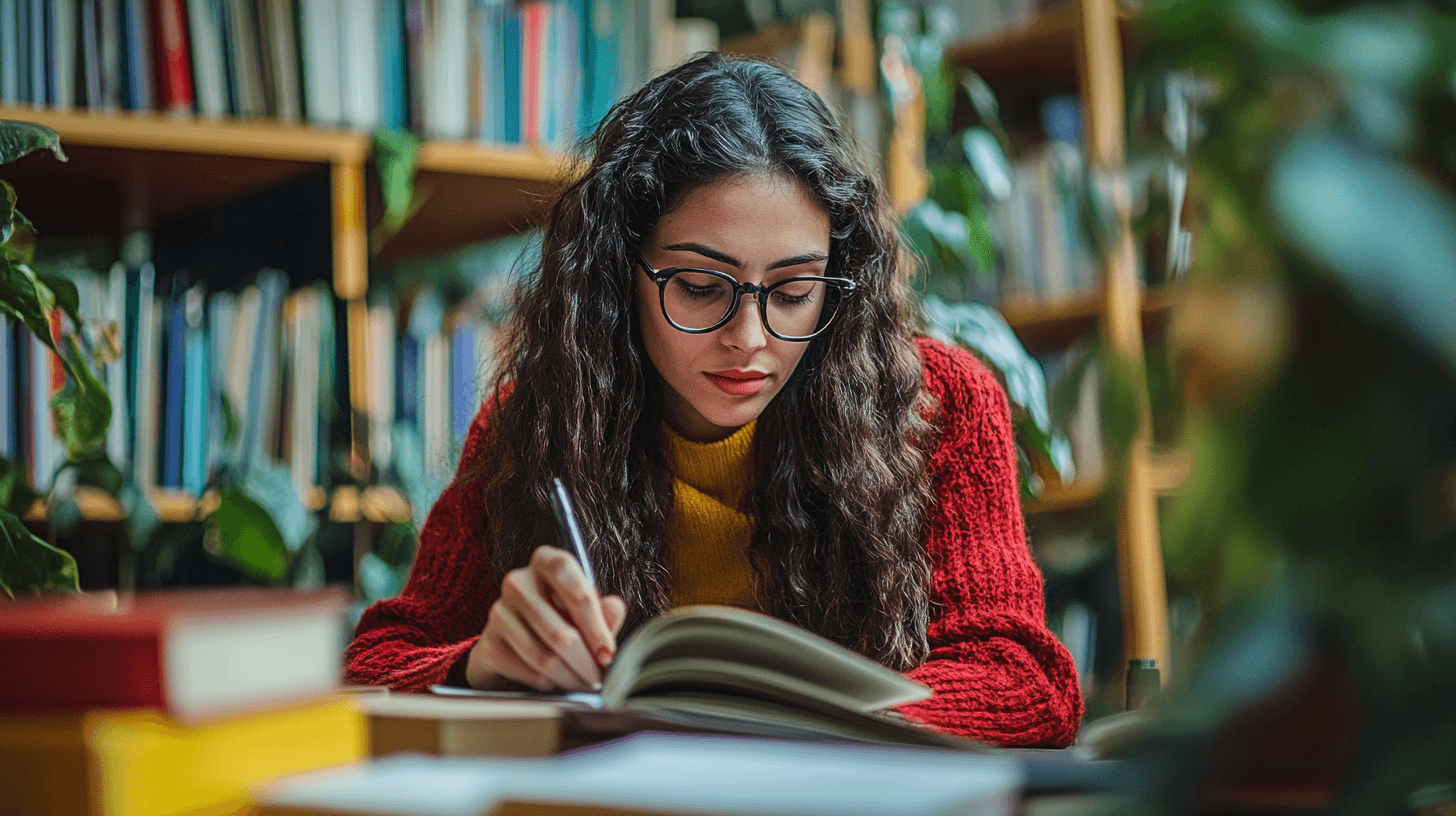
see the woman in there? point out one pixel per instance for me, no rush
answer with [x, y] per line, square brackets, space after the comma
[800, 453]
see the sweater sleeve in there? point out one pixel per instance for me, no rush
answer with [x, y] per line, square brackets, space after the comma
[422, 637]
[998, 673]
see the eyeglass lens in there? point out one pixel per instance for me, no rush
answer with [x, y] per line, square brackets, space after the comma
[698, 300]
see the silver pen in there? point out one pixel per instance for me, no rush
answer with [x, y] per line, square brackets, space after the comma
[570, 530]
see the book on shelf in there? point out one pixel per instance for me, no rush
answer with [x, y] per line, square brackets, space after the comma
[143, 761]
[196, 655]
[663, 774]
[729, 670]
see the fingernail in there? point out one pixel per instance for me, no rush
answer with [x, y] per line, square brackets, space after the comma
[604, 655]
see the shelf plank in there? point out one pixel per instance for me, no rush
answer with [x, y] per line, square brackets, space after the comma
[1043, 326]
[1170, 472]
[470, 192]
[139, 171]
[1035, 59]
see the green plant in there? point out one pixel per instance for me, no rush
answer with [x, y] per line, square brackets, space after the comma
[1317, 345]
[82, 409]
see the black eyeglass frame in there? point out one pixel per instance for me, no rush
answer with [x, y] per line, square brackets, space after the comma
[660, 277]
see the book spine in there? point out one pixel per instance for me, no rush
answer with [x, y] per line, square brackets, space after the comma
[40, 78]
[393, 78]
[207, 57]
[463, 366]
[174, 342]
[323, 79]
[195, 386]
[174, 68]
[61, 29]
[512, 83]
[136, 55]
[533, 44]
[9, 53]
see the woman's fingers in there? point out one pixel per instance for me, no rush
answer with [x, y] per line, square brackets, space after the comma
[614, 612]
[525, 593]
[578, 599]
[535, 654]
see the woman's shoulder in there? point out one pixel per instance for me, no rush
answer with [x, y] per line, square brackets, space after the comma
[954, 375]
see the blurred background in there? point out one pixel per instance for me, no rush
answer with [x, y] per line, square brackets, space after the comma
[1210, 248]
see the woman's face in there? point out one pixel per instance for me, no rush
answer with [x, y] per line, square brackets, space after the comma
[758, 229]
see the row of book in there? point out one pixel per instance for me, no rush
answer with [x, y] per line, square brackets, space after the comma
[213, 379]
[499, 70]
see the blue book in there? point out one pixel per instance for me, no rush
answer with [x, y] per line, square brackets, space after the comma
[407, 382]
[389, 17]
[136, 56]
[511, 76]
[463, 365]
[9, 53]
[603, 61]
[174, 363]
[40, 80]
[196, 385]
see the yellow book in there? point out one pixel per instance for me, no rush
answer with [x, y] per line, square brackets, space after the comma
[144, 763]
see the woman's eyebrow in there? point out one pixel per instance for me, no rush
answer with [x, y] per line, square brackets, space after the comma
[722, 257]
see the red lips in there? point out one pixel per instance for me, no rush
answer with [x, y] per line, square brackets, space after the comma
[738, 382]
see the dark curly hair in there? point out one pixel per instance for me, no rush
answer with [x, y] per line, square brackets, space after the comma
[839, 487]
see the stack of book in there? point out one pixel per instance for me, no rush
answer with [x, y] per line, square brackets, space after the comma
[169, 703]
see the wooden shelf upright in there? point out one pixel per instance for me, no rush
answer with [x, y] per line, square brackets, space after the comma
[1080, 45]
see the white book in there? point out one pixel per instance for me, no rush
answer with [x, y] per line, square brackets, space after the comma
[303, 344]
[381, 385]
[669, 773]
[447, 55]
[65, 23]
[149, 391]
[209, 74]
[240, 362]
[221, 312]
[363, 102]
[323, 71]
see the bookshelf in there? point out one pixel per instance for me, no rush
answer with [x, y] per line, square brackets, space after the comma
[1080, 46]
[130, 171]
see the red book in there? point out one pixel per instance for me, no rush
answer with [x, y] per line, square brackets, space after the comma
[174, 56]
[196, 654]
[533, 46]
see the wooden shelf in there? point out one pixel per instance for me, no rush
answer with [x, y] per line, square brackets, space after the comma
[138, 171]
[1171, 471]
[1042, 326]
[1035, 59]
[472, 191]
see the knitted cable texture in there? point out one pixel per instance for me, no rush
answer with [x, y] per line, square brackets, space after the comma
[998, 673]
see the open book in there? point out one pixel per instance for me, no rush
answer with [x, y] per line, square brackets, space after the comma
[723, 669]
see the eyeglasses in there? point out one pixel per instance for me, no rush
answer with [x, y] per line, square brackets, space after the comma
[698, 301]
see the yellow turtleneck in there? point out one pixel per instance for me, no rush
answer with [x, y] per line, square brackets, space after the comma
[710, 534]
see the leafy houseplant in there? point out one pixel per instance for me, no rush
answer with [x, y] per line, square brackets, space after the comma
[82, 409]
[1316, 350]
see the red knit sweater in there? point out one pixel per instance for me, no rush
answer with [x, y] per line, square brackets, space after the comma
[998, 674]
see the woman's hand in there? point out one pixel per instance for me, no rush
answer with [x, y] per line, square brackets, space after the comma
[548, 629]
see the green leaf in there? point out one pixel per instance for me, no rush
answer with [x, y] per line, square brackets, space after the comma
[31, 566]
[982, 329]
[7, 210]
[939, 91]
[1345, 206]
[272, 488]
[27, 299]
[67, 298]
[16, 494]
[82, 408]
[395, 155]
[988, 161]
[20, 138]
[946, 234]
[242, 534]
[983, 100]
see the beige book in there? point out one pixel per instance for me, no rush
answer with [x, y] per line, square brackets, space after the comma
[457, 726]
